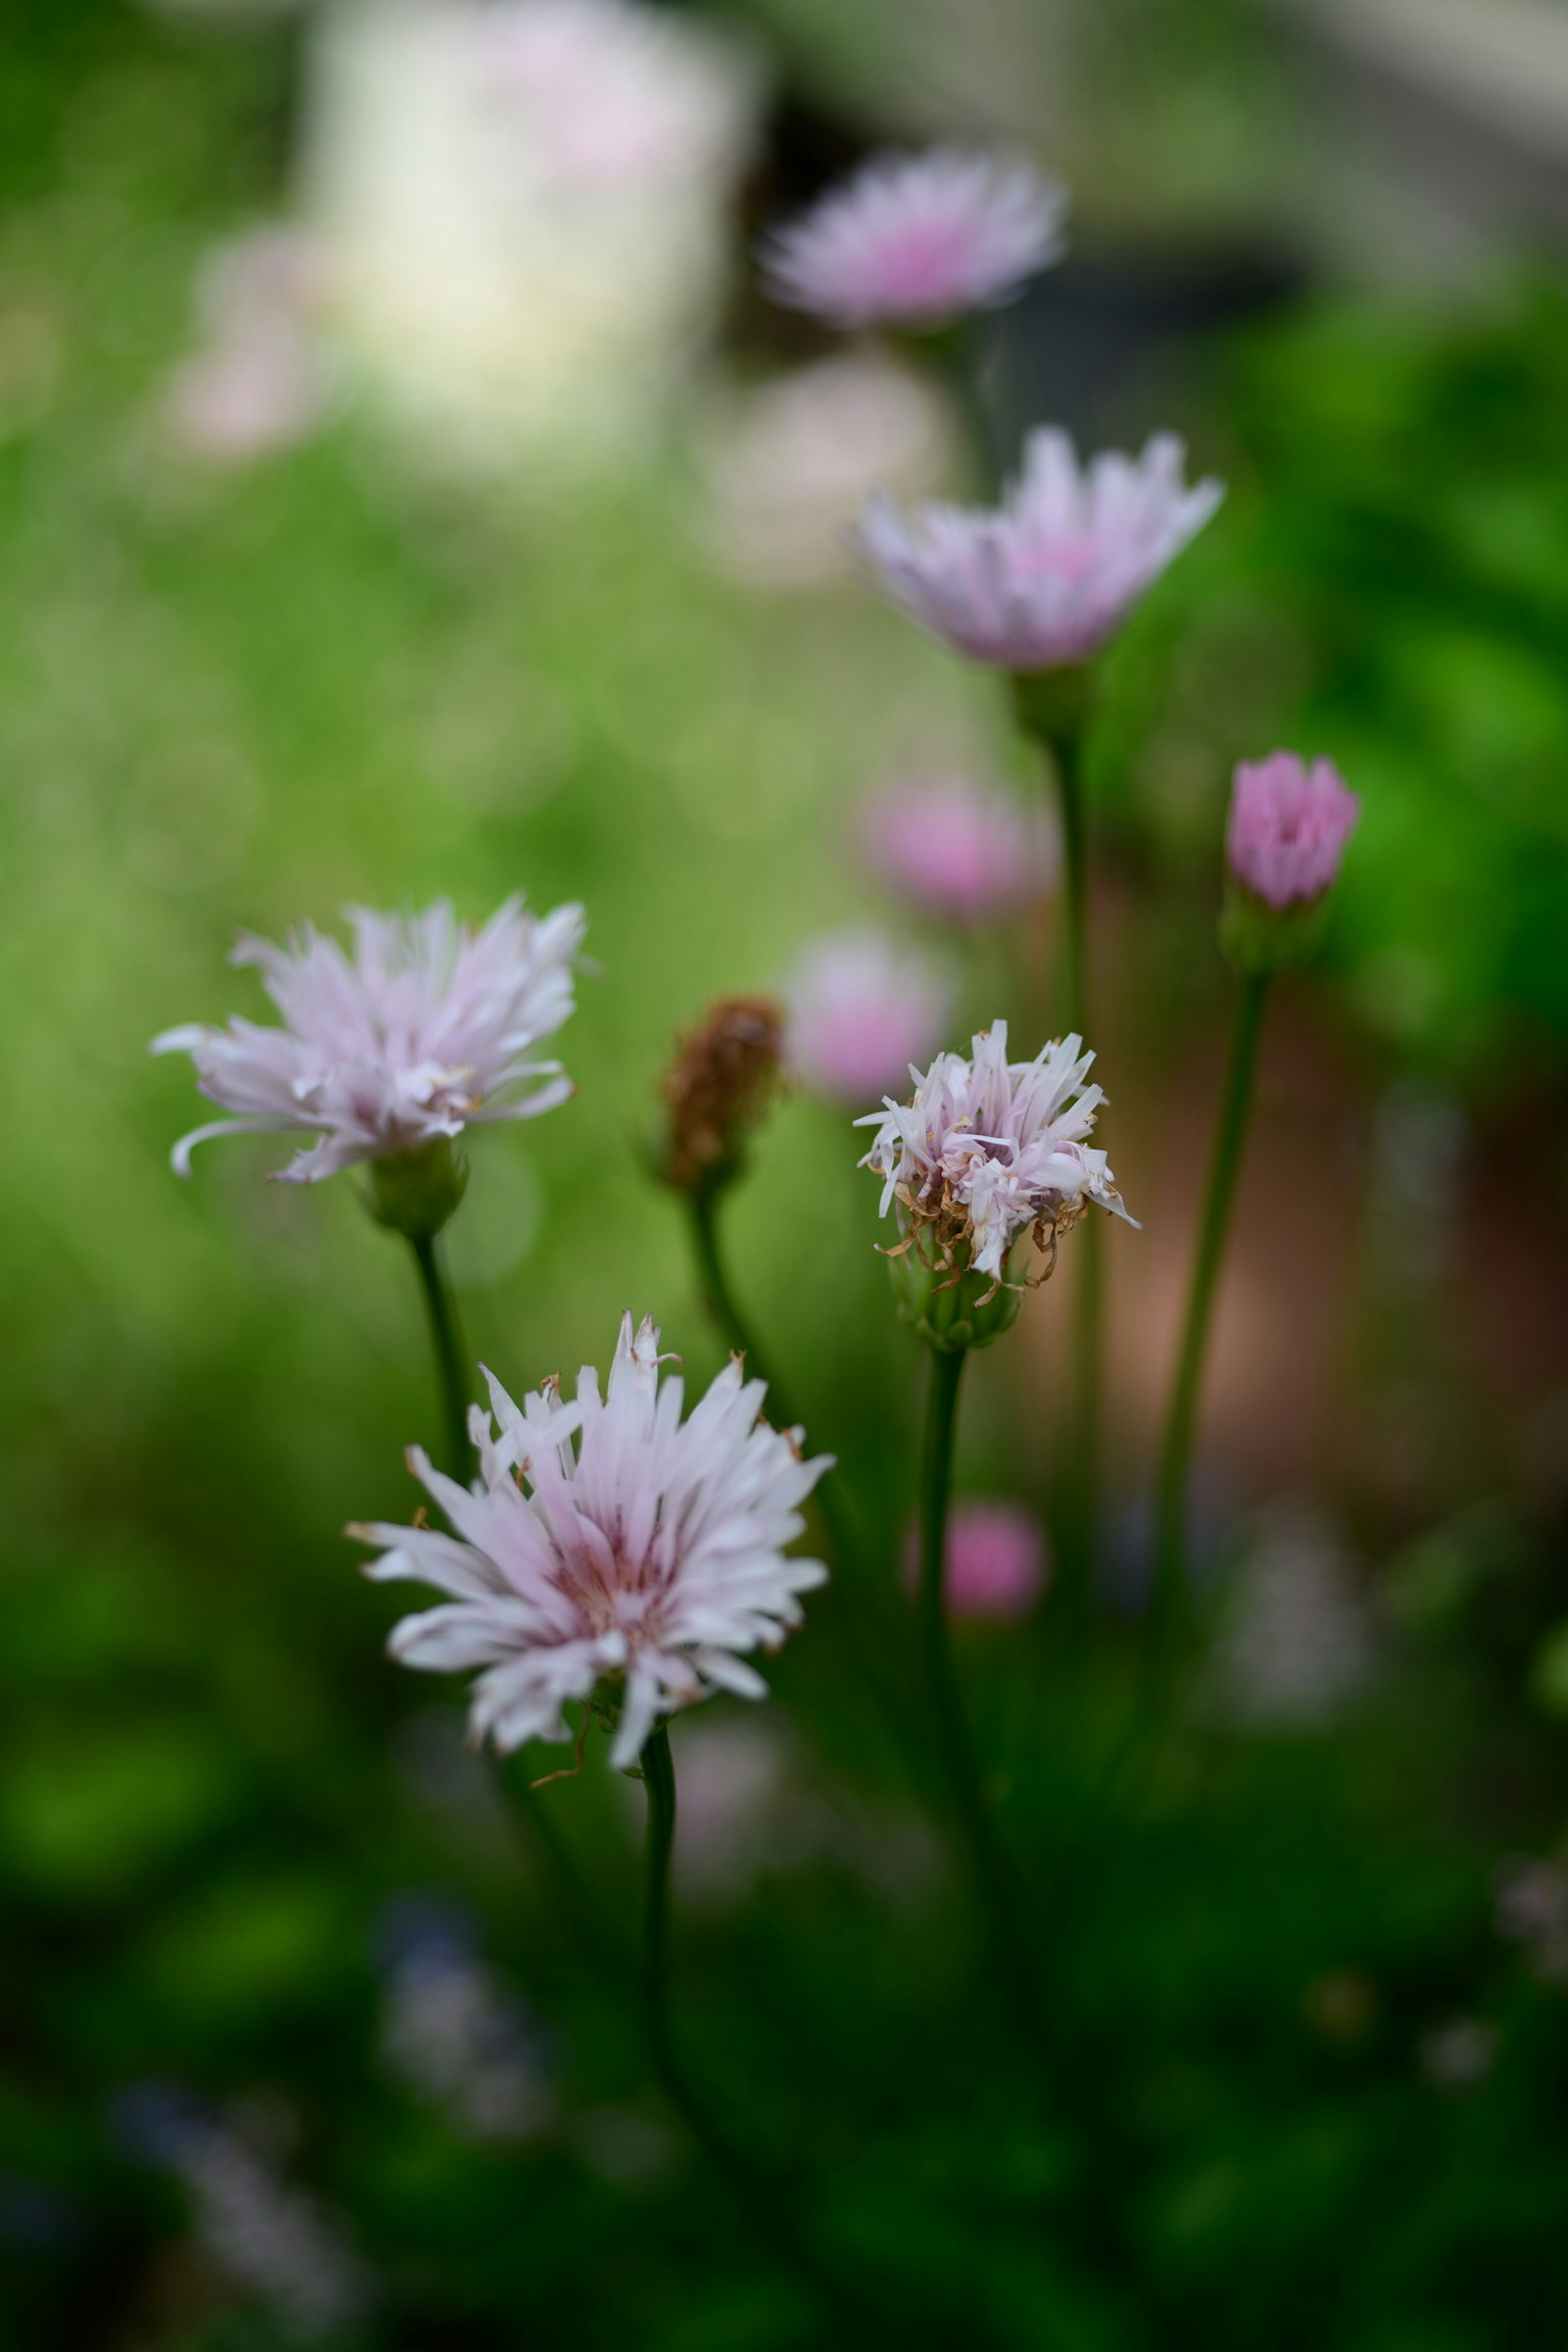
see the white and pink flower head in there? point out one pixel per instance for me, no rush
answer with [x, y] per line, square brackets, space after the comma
[859, 1011]
[917, 241]
[990, 1148]
[954, 848]
[1287, 827]
[1044, 579]
[996, 1564]
[608, 1538]
[427, 1029]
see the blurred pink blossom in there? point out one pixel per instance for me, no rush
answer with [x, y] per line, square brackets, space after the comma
[1043, 580]
[860, 1011]
[996, 1565]
[429, 1029]
[256, 380]
[1288, 825]
[916, 240]
[956, 848]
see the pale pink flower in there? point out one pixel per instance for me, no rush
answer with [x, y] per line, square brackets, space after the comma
[608, 1538]
[859, 1011]
[1288, 825]
[989, 1148]
[956, 849]
[1045, 578]
[995, 1564]
[257, 379]
[428, 1030]
[915, 241]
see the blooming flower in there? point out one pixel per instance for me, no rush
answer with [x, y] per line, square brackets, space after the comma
[1288, 825]
[860, 1011]
[995, 1564]
[651, 1549]
[426, 1031]
[956, 849]
[1044, 579]
[989, 1147]
[916, 240]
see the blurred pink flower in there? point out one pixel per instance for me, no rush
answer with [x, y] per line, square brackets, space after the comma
[1044, 579]
[957, 849]
[256, 380]
[1288, 825]
[989, 1147]
[652, 1549]
[916, 240]
[859, 1011]
[996, 1564]
[428, 1030]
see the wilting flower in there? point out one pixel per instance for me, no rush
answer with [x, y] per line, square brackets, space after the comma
[989, 1148]
[957, 849]
[995, 1564]
[651, 1551]
[426, 1031]
[1288, 825]
[860, 1011]
[1043, 580]
[915, 241]
[716, 1088]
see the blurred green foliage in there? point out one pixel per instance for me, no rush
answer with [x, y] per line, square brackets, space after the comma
[245, 699]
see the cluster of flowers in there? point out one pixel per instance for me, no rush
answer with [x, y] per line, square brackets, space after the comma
[608, 1551]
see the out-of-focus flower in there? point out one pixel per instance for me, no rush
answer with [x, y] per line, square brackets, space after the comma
[860, 1011]
[915, 241]
[257, 379]
[956, 848]
[649, 1555]
[1459, 2053]
[524, 205]
[455, 2033]
[788, 464]
[717, 1087]
[1532, 1912]
[1044, 579]
[1287, 827]
[988, 1149]
[428, 1030]
[996, 1564]
[1297, 1643]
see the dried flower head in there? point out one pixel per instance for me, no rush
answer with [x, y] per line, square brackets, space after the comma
[1044, 579]
[915, 241]
[608, 1539]
[427, 1030]
[719, 1083]
[990, 1148]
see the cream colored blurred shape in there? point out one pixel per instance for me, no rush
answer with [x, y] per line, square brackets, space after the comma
[522, 209]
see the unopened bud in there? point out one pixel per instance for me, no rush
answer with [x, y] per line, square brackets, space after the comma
[722, 1077]
[952, 1307]
[1284, 839]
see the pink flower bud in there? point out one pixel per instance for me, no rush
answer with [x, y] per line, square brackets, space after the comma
[996, 1564]
[1288, 828]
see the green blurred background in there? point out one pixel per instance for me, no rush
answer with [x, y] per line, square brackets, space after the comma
[1302, 1982]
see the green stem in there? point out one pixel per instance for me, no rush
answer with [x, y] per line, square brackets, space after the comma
[445, 1337]
[1066, 752]
[718, 1299]
[1176, 1450]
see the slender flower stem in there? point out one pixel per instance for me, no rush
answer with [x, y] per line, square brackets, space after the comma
[446, 1338]
[720, 1301]
[1176, 1449]
[1067, 750]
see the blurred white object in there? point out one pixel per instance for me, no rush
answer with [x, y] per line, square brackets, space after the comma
[256, 379]
[272, 2239]
[522, 206]
[457, 2037]
[789, 465]
[1297, 1642]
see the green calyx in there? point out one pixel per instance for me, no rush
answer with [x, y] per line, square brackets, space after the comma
[951, 1309]
[416, 1192]
[1055, 706]
[1257, 938]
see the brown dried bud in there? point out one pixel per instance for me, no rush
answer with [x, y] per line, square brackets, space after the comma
[718, 1085]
